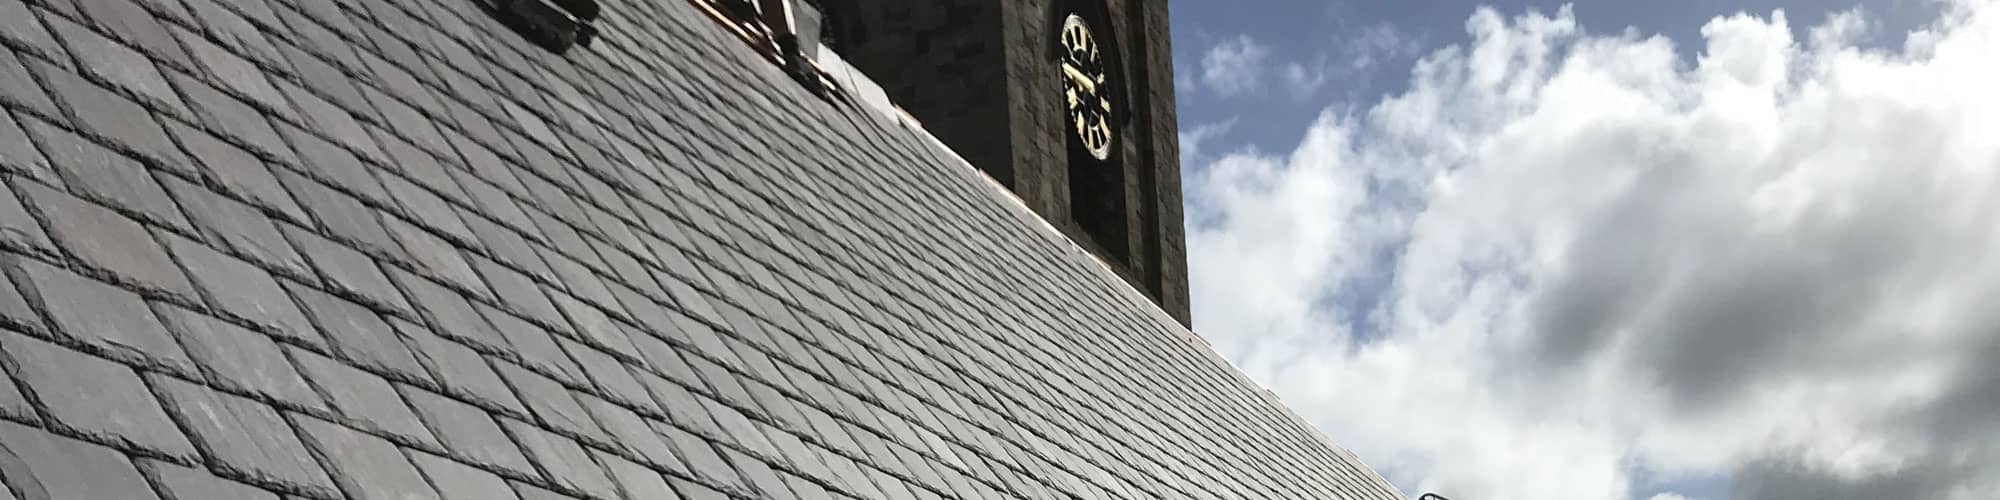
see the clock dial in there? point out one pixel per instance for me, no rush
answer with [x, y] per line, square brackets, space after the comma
[1085, 89]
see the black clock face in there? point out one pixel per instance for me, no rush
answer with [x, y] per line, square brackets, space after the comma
[1086, 89]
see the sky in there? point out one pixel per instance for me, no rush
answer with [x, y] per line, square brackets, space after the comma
[1616, 250]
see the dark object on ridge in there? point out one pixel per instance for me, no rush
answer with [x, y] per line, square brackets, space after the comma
[555, 25]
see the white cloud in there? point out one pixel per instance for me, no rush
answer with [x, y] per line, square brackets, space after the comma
[1382, 43]
[1195, 141]
[1303, 79]
[1579, 255]
[1234, 66]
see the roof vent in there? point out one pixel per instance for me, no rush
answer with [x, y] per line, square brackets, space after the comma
[555, 25]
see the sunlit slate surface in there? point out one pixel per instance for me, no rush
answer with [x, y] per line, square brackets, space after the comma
[376, 249]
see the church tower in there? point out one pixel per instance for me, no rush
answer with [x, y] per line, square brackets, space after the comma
[1069, 103]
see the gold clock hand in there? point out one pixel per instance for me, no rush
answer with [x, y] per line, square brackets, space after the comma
[1089, 84]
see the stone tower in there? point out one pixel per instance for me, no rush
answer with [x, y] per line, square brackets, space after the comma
[998, 81]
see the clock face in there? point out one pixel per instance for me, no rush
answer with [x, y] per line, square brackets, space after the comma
[1085, 88]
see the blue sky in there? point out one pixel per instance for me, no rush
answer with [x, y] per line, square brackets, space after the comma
[1336, 31]
[1622, 250]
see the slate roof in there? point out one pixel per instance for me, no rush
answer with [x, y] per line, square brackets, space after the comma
[375, 249]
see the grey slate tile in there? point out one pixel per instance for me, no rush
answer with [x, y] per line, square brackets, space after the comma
[360, 336]
[336, 166]
[436, 257]
[243, 290]
[235, 73]
[665, 360]
[460, 370]
[342, 215]
[330, 119]
[257, 12]
[92, 397]
[365, 399]
[18, 229]
[234, 31]
[451, 315]
[683, 408]
[564, 462]
[183, 483]
[101, 113]
[596, 328]
[366, 467]
[238, 359]
[348, 270]
[739, 430]
[19, 88]
[469, 433]
[236, 171]
[421, 167]
[536, 347]
[238, 227]
[758, 476]
[19, 153]
[429, 209]
[552, 404]
[636, 481]
[702, 459]
[509, 247]
[117, 64]
[232, 118]
[14, 405]
[456, 481]
[519, 294]
[630, 433]
[695, 491]
[324, 78]
[243, 439]
[63, 468]
[612, 377]
[532, 492]
[21, 26]
[108, 319]
[410, 123]
[104, 175]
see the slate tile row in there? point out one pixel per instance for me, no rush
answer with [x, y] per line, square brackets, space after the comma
[384, 249]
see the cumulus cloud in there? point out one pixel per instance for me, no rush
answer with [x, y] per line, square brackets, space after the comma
[1234, 66]
[1196, 141]
[1559, 261]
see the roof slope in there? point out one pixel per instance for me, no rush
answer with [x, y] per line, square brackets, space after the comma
[386, 249]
